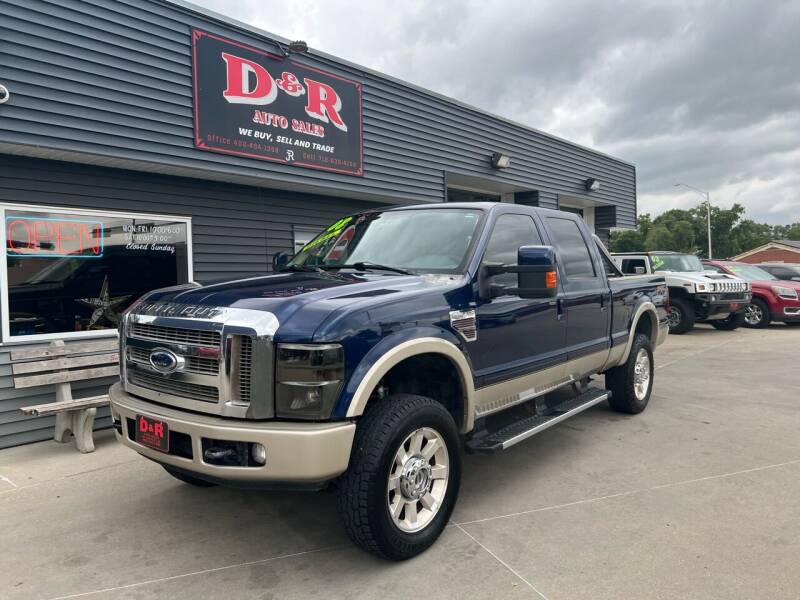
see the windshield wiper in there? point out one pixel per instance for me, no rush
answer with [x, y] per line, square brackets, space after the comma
[368, 266]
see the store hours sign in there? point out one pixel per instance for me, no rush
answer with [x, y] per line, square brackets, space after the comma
[253, 103]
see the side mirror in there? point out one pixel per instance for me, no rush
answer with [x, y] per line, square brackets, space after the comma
[279, 261]
[537, 276]
[639, 270]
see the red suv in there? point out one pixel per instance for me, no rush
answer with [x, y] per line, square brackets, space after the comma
[773, 299]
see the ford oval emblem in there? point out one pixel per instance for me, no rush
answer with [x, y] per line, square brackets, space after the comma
[165, 361]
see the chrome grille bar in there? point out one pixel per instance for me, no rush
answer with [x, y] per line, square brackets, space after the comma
[175, 335]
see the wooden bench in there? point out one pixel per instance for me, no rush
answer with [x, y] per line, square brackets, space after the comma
[60, 364]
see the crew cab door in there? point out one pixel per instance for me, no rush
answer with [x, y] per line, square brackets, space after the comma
[587, 296]
[516, 336]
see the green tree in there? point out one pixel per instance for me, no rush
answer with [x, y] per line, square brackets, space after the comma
[659, 238]
[627, 240]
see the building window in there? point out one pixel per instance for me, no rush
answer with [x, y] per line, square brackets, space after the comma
[303, 235]
[71, 273]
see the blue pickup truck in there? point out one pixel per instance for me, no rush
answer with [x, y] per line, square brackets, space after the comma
[389, 344]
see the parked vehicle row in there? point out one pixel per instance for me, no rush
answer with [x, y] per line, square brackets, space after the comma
[773, 299]
[724, 293]
[695, 293]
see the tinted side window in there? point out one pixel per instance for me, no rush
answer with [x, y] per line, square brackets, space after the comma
[572, 249]
[629, 265]
[509, 233]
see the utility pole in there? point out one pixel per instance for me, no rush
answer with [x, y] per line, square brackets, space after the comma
[707, 196]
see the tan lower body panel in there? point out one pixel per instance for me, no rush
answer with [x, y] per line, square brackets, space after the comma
[296, 452]
[498, 396]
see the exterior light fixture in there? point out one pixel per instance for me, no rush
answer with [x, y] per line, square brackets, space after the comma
[4, 94]
[297, 47]
[591, 184]
[500, 160]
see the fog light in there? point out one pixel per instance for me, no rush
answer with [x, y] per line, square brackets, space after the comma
[713, 298]
[258, 453]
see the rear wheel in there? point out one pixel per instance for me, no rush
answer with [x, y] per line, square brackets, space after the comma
[402, 483]
[680, 317]
[186, 478]
[632, 382]
[756, 314]
[733, 321]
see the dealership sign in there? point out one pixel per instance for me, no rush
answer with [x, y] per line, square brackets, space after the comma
[261, 105]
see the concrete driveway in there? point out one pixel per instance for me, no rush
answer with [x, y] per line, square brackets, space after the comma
[699, 497]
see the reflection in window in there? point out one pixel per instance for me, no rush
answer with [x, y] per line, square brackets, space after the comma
[572, 250]
[70, 272]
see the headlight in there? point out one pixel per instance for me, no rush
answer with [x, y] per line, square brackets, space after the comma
[785, 292]
[702, 287]
[308, 380]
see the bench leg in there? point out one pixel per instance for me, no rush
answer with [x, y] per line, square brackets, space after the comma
[79, 424]
[83, 427]
[63, 427]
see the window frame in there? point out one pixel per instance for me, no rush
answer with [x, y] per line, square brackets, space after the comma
[5, 325]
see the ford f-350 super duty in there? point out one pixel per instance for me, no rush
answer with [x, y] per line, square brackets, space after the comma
[390, 343]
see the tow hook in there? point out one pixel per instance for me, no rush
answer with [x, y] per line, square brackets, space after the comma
[215, 454]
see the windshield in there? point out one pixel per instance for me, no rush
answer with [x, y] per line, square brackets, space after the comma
[681, 263]
[416, 240]
[750, 273]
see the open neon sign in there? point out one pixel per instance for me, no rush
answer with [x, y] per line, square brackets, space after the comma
[44, 237]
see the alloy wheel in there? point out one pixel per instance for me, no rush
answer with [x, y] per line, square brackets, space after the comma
[641, 374]
[753, 314]
[674, 317]
[418, 479]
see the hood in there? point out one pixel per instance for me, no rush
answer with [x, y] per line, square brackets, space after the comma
[303, 302]
[700, 276]
[770, 283]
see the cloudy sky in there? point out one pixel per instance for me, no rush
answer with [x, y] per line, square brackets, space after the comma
[705, 93]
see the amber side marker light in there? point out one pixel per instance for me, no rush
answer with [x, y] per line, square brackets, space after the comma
[550, 280]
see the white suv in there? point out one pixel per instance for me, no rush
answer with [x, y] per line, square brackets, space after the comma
[694, 293]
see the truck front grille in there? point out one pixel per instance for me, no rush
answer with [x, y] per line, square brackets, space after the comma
[245, 368]
[194, 364]
[730, 286]
[175, 335]
[160, 383]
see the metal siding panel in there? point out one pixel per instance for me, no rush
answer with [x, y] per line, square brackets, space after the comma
[136, 56]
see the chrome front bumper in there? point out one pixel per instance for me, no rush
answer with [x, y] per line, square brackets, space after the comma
[297, 453]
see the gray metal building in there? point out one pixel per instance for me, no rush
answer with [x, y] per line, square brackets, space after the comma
[101, 117]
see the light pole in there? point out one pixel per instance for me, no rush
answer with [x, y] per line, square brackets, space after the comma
[708, 210]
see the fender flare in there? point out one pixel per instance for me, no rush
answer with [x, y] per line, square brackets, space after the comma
[407, 349]
[644, 307]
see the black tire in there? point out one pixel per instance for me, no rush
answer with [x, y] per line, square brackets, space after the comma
[185, 478]
[621, 380]
[683, 311]
[733, 321]
[362, 490]
[761, 313]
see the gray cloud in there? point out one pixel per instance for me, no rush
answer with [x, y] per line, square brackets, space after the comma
[706, 93]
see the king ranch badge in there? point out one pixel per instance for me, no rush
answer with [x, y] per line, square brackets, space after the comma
[261, 105]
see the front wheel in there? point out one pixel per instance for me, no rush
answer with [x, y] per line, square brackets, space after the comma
[631, 383]
[731, 322]
[756, 314]
[680, 316]
[402, 483]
